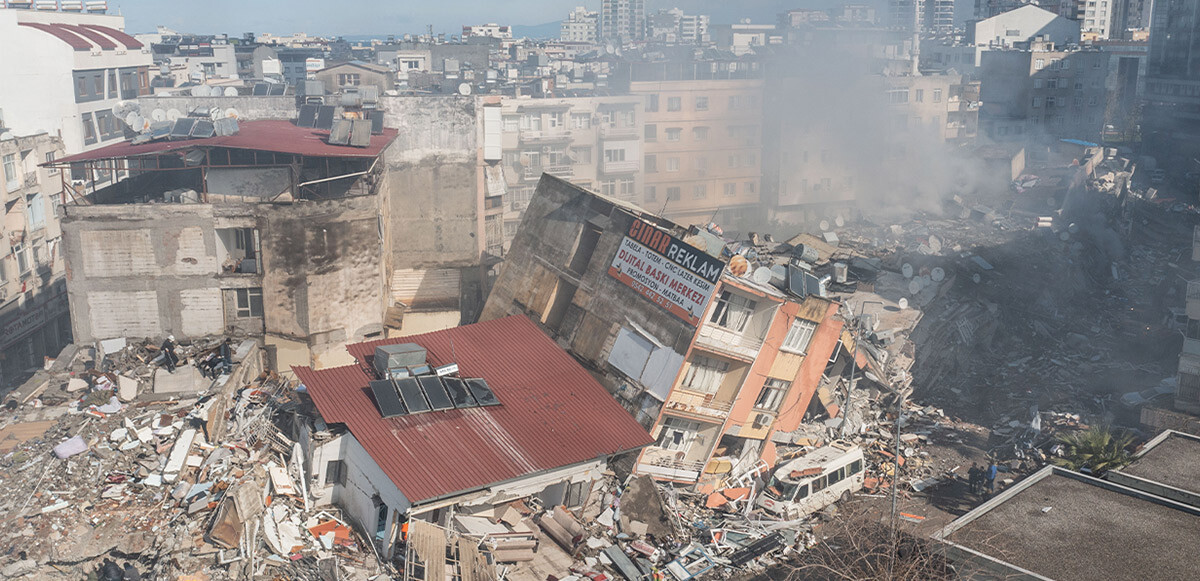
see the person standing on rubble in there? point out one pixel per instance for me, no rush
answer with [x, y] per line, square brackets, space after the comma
[224, 358]
[991, 476]
[170, 359]
[973, 477]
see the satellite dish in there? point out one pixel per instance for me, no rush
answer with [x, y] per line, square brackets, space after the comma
[902, 303]
[738, 265]
[173, 114]
[610, 49]
[158, 115]
[231, 113]
[124, 108]
[136, 122]
[906, 270]
[937, 274]
[935, 244]
[464, 89]
[975, 277]
[214, 113]
[914, 286]
[762, 275]
[824, 225]
[839, 221]
[230, 92]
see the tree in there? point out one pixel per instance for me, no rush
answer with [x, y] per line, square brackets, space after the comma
[1098, 449]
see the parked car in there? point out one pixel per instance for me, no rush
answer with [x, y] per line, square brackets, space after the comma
[1145, 396]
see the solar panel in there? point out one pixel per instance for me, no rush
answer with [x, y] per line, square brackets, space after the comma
[183, 128]
[339, 134]
[226, 126]
[325, 117]
[276, 90]
[308, 116]
[386, 398]
[411, 395]
[459, 393]
[376, 118]
[261, 89]
[360, 133]
[483, 394]
[435, 393]
[203, 129]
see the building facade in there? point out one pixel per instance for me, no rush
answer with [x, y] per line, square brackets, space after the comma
[622, 20]
[77, 67]
[581, 25]
[1043, 93]
[1172, 115]
[35, 322]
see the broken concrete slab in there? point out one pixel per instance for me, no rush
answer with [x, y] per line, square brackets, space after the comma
[185, 379]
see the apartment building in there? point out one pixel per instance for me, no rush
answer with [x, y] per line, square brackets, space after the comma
[581, 25]
[710, 362]
[1171, 123]
[703, 148]
[675, 27]
[490, 30]
[73, 67]
[595, 142]
[1095, 17]
[34, 319]
[622, 20]
[1043, 92]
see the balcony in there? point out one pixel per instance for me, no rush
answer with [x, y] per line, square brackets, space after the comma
[628, 166]
[669, 464]
[544, 136]
[615, 132]
[698, 406]
[31, 179]
[531, 173]
[561, 171]
[717, 339]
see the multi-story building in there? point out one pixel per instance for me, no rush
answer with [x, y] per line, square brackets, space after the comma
[622, 20]
[34, 319]
[711, 362]
[1171, 123]
[703, 149]
[925, 16]
[581, 25]
[1043, 92]
[1129, 18]
[1125, 86]
[674, 27]
[1095, 17]
[490, 30]
[73, 68]
[1187, 390]
[595, 142]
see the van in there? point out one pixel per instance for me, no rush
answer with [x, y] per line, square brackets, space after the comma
[815, 480]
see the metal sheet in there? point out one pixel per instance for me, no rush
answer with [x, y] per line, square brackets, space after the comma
[339, 134]
[435, 393]
[360, 133]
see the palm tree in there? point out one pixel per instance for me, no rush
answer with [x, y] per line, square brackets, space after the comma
[1098, 449]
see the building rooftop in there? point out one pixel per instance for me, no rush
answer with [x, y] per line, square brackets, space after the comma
[1174, 460]
[1065, 525]
[279, 136]
[552, 412]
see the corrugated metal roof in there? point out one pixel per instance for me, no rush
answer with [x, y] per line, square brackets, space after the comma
[266, 135]
[552, 412]
[104, 42]
[129, 41]
[77, 42]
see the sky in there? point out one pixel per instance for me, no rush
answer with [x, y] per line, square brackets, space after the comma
[383, 17]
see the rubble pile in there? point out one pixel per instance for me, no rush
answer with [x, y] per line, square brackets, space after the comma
[200, 485]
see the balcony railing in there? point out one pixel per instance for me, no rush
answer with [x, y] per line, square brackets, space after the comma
[724, 341]
[669, 464]
[615, 132]
[562, 171]
[540, 135]
[532, 173]
[620, 166]
[698, 406]
[31, 179]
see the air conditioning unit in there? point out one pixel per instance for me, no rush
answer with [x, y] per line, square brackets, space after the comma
[761, 421]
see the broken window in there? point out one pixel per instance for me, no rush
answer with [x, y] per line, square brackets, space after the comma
[677, 434]
[249, 302]
[732, 311]
[239, 250]
[772, 394]
[705, 374]
[799, 336]
[335, 472]
[576, 494]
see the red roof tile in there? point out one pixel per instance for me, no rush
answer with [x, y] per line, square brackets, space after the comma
[121, 37]
[77, 42]
[552, 413]
[265, 135]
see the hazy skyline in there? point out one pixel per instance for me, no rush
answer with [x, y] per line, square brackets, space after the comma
[376, 17]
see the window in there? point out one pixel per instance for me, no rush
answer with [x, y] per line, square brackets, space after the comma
[1038, 83]
[799, 336]
[856, 467]
[581, 121]
[1066, 64]
[651, 132]
[11, 178]
[35, 211]
[22, 253]
[699, 191]
[335, 472]
[700, 133]
[554, 120]
[1092, 101]
[730, 190]
[749, 187]
[1096, 63]
[733, 160]
[651, 163]
[109, 128]
[652, 103]
[50, 159]
[732, 311]
[672, 164]
[626, 187]
[249, 302]
[896, 96]
[772, 394]
[674, 133]
[705, 374]
[651, 194]
[937, 95]
[348, 79]
[112, 83]
[614, 155]
[511, 123]
[1037, 102]
[674, 103]
[919, 95]
[677, 434]
[1039, 64]
[673, 194]
[735, 102]
[609, 188]
[702, 103]
[575, 494]
[581, 154]
[89, 130]
[531, 122]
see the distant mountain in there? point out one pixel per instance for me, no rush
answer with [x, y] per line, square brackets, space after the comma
[538, 31]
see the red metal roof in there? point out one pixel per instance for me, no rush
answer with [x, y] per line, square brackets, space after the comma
[125, 39]
[105, 42]
[77, 42]
[552, 412]
[267, 135]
